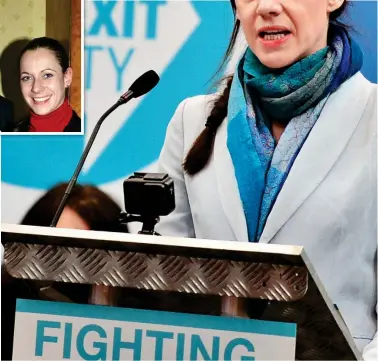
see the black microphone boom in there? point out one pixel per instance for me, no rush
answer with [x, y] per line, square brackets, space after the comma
[141, 86]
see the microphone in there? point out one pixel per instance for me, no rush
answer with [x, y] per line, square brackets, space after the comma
[141, 86]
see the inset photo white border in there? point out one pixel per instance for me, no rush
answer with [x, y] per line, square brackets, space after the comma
[82, 89]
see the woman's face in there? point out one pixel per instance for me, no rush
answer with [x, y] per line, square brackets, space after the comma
[42, 80]
[281, 32]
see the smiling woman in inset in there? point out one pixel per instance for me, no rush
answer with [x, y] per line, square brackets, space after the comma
[45, 76]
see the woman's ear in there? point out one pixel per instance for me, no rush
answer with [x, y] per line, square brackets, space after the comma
[68, 77]
[334, 5]
[236, 10]
[237, 14]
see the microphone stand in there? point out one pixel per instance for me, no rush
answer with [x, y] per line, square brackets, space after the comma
[100, 294]
[124, 99]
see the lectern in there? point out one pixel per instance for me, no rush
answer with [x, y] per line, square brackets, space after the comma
[294, 308]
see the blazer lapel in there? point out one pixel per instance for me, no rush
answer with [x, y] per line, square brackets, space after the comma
[326, 142]
[227, 185]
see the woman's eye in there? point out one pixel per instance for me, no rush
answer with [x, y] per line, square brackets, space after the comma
[25, 78]
[48, 75]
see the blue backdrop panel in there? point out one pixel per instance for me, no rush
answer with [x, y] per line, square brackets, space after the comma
[41, 161]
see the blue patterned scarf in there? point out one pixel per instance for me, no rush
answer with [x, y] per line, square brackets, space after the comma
[295, 95]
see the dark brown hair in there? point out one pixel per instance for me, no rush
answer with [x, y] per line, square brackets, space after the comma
[50, 44]
[97, 209]
[200, 152]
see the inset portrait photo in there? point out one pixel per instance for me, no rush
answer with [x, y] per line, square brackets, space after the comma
[40, 67]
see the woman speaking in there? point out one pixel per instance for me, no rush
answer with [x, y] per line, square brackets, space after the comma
[45, 76]
[286, 153]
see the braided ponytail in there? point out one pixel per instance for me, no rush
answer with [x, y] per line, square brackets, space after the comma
[199, 155]
[202, 148]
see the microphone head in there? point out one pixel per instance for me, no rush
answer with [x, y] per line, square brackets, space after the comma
[144, 83]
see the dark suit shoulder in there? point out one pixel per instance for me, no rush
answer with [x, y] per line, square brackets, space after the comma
[75, 124]
[6, 115]
[22, 125]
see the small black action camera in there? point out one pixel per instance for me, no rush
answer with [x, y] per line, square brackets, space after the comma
[149, 194]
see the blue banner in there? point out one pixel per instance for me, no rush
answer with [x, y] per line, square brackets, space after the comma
[62, 331]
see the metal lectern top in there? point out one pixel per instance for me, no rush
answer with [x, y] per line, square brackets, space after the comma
[280, 275]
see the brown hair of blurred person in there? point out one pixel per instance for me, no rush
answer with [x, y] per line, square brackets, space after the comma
[95, 208]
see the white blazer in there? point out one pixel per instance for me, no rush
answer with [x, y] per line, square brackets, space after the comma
[328, 203]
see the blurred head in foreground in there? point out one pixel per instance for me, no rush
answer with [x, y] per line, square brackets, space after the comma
[87, 208]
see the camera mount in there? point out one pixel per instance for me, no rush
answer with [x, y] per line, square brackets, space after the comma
[148, 223]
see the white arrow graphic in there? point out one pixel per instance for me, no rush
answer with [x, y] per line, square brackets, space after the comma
[116, 61]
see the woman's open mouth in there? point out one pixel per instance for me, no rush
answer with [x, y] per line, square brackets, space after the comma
[41, 100]
[274, 38]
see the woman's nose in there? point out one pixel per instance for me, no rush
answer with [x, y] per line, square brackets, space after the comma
[269, 7]
[36, 86]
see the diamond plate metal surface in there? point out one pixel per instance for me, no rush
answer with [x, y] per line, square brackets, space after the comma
[279, 286]
[156, 272]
